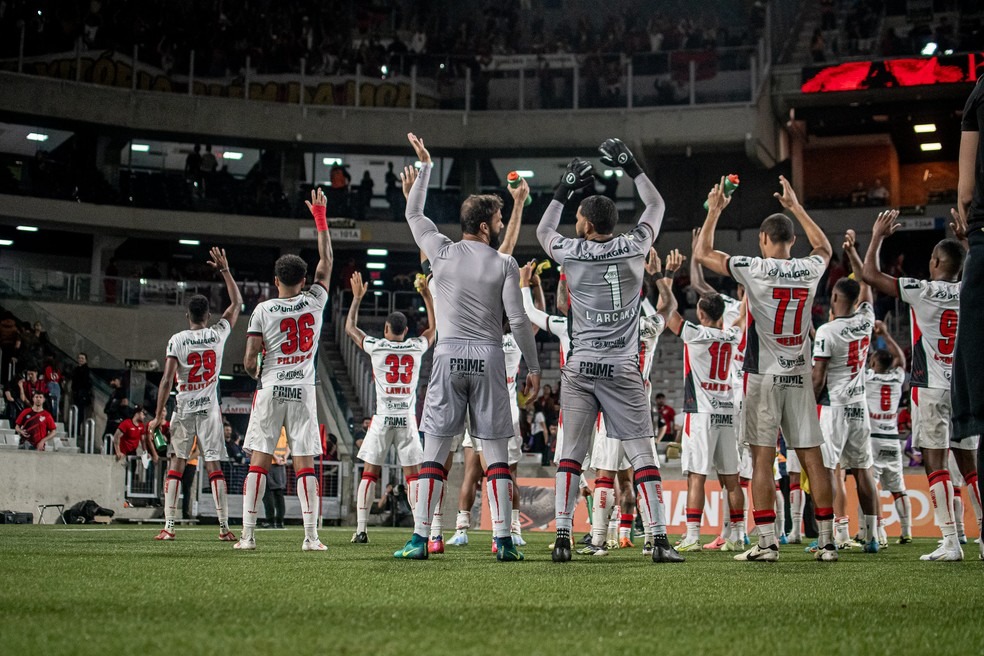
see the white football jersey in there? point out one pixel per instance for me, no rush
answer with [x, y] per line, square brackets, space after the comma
[934, 308]
[290, 328]
[732, 310]
[883, 393]
[650, 328]
[513, 356]
[396, 370]
[552, 323]
[843, 343]
[199, 357]
[780, 295]
[707, 382]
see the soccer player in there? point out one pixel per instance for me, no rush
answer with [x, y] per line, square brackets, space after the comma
[35, 425]
[934, 312]
[472, 286]
[396, 369]
[604, 278]
[194, 359]
[779, 290]
[840, 352]
[883, 381]
[281, 352]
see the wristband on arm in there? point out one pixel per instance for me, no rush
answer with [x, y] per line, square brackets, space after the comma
[320, 217]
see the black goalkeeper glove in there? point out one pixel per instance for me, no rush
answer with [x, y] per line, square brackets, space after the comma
[616, 154]
[577, 175]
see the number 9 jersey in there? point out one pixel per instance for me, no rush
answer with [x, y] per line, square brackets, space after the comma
[290, 328]
[934, 308]
[199, 357]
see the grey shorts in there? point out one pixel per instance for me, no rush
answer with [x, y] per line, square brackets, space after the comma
[468, 375]
[614, 388]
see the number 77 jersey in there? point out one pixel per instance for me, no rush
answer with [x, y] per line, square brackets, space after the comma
[780, 302]
[290, 328]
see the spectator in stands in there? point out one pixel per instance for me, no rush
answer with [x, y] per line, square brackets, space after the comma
[35, 425]
[208, 167]
[31, 384]
[339, 179]
[393, 195]
[364, 196]
[193, 166]
[666, 411]
[274, 502]
[359, 433]
[878, 194]
[9, 336]
[818, 47]
[859, 196]
[82, 389]
[233, 449]
[12, 403]
[538, 433]
[131, 434]
[331, 447]
[53, 378]
[117, 408]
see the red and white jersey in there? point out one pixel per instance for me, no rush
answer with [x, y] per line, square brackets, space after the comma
[552, 323]
[732, 310]
[883, 393]
[650, 328]
[290, 328]
[707, 382]
[513, 356]
[198, 354]
[934, 307]
[843, 343]
[396, 370]
[780, 295]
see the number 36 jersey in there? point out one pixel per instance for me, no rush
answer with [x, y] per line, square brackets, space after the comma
[396, 370]
[780, 299]
[290, 328]
[199, 357]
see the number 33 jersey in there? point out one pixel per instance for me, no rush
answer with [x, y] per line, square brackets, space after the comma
[780, 302]
[290, 328]
[199, 357]
[396, 369]
[934, 306]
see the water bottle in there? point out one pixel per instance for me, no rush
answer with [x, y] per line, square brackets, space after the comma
[730, 184]
[513, 181]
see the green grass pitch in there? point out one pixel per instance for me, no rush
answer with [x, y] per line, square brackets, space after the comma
[66, 590]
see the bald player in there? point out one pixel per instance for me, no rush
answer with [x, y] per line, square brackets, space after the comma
[473, 285]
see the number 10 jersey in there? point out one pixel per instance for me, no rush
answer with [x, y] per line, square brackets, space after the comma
[290, 328]
[396, 370]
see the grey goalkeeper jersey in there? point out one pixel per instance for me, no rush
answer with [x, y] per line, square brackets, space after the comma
[604, 279]
[473, 283]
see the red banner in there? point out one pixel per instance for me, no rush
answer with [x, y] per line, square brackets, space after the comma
[537, 508]
[891, 73]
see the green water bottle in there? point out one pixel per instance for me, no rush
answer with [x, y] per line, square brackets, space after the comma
[513, 181]
[160, 441]
[730, 184]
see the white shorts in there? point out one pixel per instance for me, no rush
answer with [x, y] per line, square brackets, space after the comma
[710, 444]
[793, 465]
[292, 407]
[887, 458]
[560, 441]
[745, 462]
[387, 431]
[970, 443]
[515, 447]
[206, 425]
[931, 412]
[847, 436]
[780, 402]
[738, 389]
[607, 453]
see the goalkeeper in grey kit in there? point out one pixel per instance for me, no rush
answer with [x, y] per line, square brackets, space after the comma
[604, 277]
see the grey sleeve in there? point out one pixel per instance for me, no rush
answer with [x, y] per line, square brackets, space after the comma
[425, 233]
[522, 329]
[546, 231]
[652, 216]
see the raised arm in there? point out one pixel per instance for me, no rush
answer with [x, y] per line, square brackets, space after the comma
[422, 285]
[512, 301]
[898, 355]
[704, 253]
[667, 305]
[578, 174]
[319, 209]
[220, 263]
[857, 266]
[872, 274]
[818, 240]
[697, 281]
[519, 195]
[163, 392]
[352, 319]
[425, 233]
[616, 154]
[537, 316]
[563, 297]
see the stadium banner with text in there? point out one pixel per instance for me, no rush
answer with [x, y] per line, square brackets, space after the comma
[537, 508]
[893, 73]
[115, 69]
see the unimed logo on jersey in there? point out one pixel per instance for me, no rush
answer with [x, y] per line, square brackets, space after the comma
[282, 393]
[467, 367]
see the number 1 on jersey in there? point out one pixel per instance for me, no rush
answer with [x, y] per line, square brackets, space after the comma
[615, 285]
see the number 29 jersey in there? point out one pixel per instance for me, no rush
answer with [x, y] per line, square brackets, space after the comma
[290, 328]
[934, 307]
[199, 357]
[780, 299]
[396, 370]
